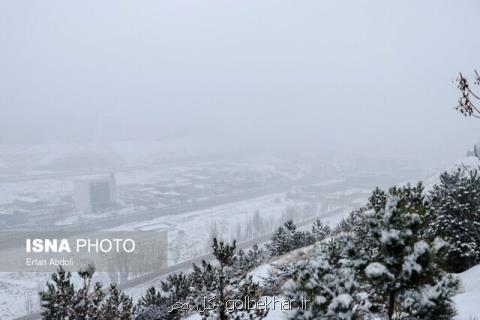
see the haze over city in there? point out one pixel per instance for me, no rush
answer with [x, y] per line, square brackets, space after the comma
[367, 76]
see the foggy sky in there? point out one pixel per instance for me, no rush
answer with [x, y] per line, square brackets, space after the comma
[367, 75]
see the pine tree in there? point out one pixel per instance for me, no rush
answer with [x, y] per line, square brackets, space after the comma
[248, 260]
[329, 284]
[223, 279]
[302, 239]
[89, 296]
[151, 306]
[177, 286]
[62, 301]
[55, 301]
[256, 256]
[358, 220]
[151, 298]
[431, 302]
[204, 282]
[155, 307]
[349, 223]
[379, 253]
[455, 216]
[175, 290]
[215, 286]
[117, 306]
[278, 274]
[402, 261]
[246, 291]
[286, 238]
[280, 242]
[290, 226]
[320, 230]
[242, 260]
[377, 200]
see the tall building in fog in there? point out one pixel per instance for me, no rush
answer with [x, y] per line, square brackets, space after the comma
[95, 193]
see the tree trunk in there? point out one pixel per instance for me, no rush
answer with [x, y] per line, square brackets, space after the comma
[222, 315]
[391, 304]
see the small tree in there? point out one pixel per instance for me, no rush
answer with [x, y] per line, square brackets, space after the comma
[256, 256]
[161, 304]
[328, 282]
[151, 298]
[117, 306]
[278, 274]
[403, 263]
[62, 301]
[320, 230]
[455, 216]
[55, 301]
[280, 242]
[287, 238]
[217, 285]
[432, 302]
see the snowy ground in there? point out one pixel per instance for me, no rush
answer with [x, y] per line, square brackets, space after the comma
[190, 234]
[19, 294]
[468, 300]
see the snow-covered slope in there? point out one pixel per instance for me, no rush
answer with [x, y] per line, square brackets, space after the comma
[468, 300]
[467, 162]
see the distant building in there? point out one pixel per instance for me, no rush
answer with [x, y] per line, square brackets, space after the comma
[29, 202]
[12, 217]
[95, 193]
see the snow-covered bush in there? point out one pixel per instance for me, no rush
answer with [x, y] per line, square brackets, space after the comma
[330, 285]
[276, 278]
[287, 238]
[250, 259]
[431, 301]
[158, 304]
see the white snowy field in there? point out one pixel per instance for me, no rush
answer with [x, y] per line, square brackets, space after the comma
[189, 234]
[19, 293]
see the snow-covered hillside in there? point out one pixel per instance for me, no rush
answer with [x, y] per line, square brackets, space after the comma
[468, 300]
[466, 162]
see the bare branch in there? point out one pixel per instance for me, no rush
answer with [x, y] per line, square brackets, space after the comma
[465, 104]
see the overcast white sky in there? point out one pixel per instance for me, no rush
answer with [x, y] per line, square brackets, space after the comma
[372, 75]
